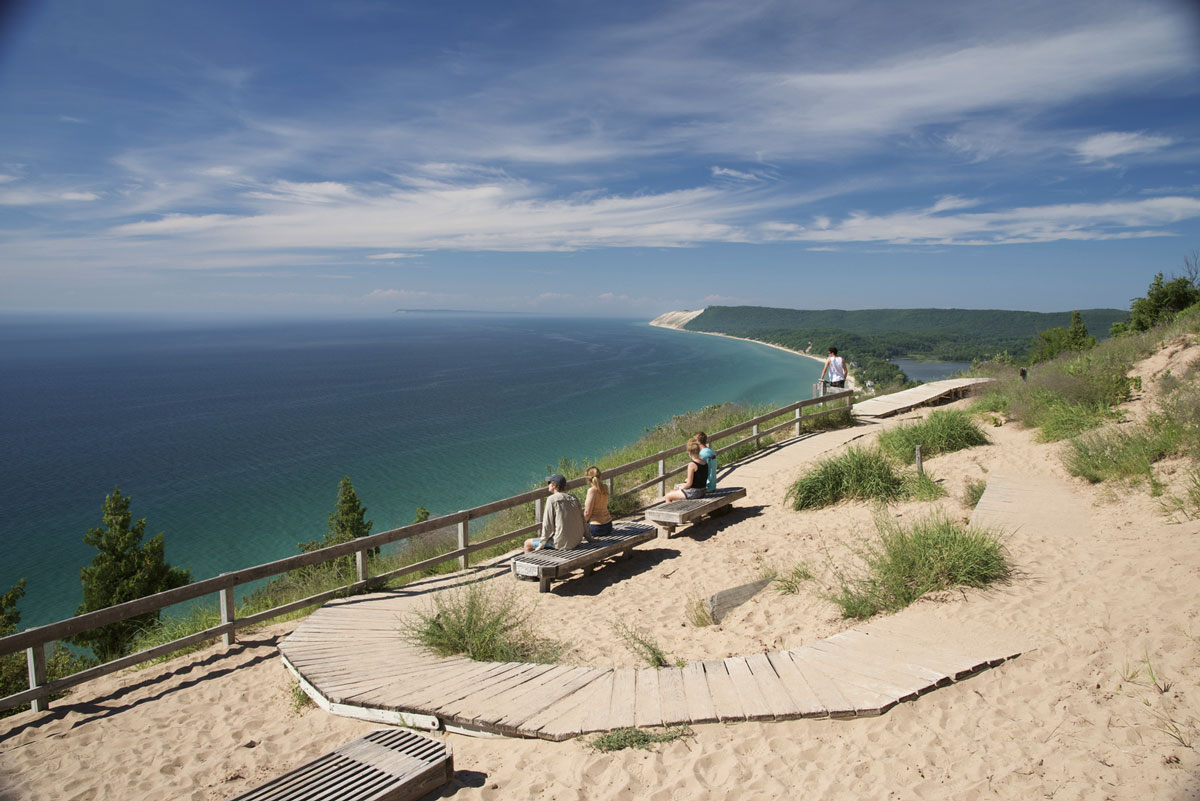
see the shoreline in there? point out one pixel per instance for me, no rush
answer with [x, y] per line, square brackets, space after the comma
[850, 382]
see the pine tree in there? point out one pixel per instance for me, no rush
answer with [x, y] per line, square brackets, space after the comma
[422, 515]
[123, 570]
[347, 521]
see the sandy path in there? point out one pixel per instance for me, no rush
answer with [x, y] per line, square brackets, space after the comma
[1104, 583]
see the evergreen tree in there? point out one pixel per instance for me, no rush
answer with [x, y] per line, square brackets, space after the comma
[1053, 341]
[347, 521]
[422, 515]
[1163, 299]
[123, 570]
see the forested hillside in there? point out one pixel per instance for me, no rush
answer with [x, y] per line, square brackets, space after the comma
[945, 334]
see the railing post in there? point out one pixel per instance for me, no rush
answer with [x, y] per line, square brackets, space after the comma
[537, 511]
[662, 484]
[360, 565]
[798, 421]
[920, 465]
[462, 544]
[228, 614]
[35, 657]
[754, 431]
[610, 486]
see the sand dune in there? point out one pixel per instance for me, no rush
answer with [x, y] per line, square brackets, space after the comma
[1107, 588]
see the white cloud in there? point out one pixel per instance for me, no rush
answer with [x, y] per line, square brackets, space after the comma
[1106, 146]
[40, 197]
[1071, 221]
[396, 294]
[390, 256]
[725, 172]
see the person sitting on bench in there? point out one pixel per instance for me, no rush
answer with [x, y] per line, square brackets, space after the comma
[595, 505]
[563, 527]
[710, 458]
[697, 477]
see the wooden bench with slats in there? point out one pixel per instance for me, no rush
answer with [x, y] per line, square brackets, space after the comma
[671, 515]
[385, 765]
[548, 565]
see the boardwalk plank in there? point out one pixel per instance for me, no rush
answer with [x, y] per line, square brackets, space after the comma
[695, 690]
[778, 700]
[754, 703]
[597, 718]
[798, 689]
[827, 691]
[674, 701]
[648, 709]
[624, 700]
[863, 701]
[567, 717]
[726, 702]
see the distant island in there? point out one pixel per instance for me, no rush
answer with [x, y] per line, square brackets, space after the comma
[872, 337]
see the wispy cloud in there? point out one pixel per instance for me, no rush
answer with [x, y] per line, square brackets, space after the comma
[1107, 146]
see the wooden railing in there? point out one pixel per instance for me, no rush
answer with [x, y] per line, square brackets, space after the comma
[34, 641]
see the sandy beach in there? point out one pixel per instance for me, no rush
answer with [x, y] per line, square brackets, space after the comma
[677, 320]
[1104, 705]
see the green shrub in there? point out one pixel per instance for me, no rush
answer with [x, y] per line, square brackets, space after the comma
[974, 492]
[858, 473]
[619, 739]
[482, 624]
[642, 645]
[1116, 454]
[791, 582]
[921, 487]
[907, 562]
[944, 431]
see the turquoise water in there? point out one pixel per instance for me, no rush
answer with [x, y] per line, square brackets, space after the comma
[929, 371]
[232, 439]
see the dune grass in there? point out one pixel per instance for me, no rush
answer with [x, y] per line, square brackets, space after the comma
[481, 623]
[619, 739]
[863, 474]
[906, 562]
[974, 492]
[944, 431]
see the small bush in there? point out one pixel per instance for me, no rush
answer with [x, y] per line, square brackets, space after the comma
[974, 492]
[858, 473]
[944, 431]
[699, 612]
[791, 582]
[480, 624]
[931, 555]
[921, 487]
[1116, 454]
[619, 739]
[642, 645]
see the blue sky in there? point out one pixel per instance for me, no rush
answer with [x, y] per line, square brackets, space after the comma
[347, 159]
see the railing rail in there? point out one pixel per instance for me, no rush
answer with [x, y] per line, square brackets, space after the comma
[34, 640]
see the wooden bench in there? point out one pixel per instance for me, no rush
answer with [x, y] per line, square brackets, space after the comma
[676, 513]
[548, 565]
[385, 765]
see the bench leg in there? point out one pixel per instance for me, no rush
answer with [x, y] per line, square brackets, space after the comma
[543, 583]
[587, 569]
[665, 530]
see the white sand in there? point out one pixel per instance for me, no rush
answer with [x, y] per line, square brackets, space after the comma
[1104, 584]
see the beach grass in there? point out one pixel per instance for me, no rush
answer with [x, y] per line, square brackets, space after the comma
[974, 491]
[620, 739]
[480, 623]
[792, 581]
[905, 562]
[863, 474]
[944, 431]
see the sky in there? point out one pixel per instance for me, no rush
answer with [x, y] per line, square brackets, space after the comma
[322, 159]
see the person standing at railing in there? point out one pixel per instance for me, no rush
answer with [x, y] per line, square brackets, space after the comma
[595, 505]
[710, 458]
[836, 367]
[697, 477]
[563, 527]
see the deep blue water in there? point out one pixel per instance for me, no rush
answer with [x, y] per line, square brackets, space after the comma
[929, 371]
[232, 439]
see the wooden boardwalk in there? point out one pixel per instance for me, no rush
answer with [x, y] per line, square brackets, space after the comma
[903, 401]
[351, 657]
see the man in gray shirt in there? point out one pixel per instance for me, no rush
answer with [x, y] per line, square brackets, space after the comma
[563, 526]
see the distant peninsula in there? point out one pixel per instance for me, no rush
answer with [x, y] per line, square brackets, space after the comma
[463, 311]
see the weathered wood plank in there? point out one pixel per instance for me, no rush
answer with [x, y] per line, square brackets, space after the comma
[700, 707]
[648, 708]
[778, 699]
[622, 711]
[674, 701]
[754, 704]
[726, 702]
[597, 718]
[568, 716]
[861, 700]
[830, 697]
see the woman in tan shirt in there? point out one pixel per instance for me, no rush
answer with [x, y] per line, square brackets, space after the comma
[595, 505]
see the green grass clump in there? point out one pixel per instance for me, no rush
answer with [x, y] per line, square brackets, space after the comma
[907, 562]
[944, 431]
[858, 473]
[482, 624]
[619, 739]
[699, 611]
[974, 492]
[642, 645]
[1186, 506]
[1116, 454]
[791, 582]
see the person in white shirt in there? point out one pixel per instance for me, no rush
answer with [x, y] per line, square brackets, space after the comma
[836, 367]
